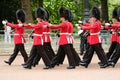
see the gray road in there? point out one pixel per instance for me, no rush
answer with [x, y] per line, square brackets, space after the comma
[93, 72]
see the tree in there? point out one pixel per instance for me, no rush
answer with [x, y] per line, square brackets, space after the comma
[104, 8]
[8, 10]
[27, 7]
[40, 3]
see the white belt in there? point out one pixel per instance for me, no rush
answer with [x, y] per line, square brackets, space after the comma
[70, 34]
[37, 34]
[18, 34]
[94, 33]
[113, 32]
[46, 32]
[40, 37]
[63, 33]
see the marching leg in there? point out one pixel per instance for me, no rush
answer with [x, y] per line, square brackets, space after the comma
[13, 56]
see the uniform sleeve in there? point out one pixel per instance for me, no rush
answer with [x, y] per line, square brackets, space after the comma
[56, 26]
[86, 24]
[115, 25]
[13, 25]
[91, 26]
[33, 26]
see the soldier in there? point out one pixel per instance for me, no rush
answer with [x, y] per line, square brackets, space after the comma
[113, 35]
[70, 42]
[94, 39]
[116, 55]
[46, 40]
[19, 39]
[37, 47]
[63, 42]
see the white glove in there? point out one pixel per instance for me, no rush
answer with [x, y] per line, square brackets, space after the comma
[107, 24]
[80, 22]
[20, 25]
[4, 22]
[76, 25]
[29, 24]
[80, 31]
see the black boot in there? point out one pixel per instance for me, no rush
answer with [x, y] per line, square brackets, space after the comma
[47, 67]
[71, 67]
[27, 67]
[104, 66]
[84, 64]
[34, 65]
[100, 63]
[111, 64]
[24, 64]
[9, 63]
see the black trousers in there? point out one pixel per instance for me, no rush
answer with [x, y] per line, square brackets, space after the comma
[49, 51]
[111, 50]
[83, 44]
[62, 51]
[38, 50]
[99, 51]
[87, 51]
[116, 55]
[18, 47]
[75, 54]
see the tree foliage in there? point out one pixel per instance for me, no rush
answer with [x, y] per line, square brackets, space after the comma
[8, 10]
[9, 7]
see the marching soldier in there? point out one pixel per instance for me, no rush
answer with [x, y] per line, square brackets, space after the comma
[46, 40]
[63, 42]
[116, 55]
[113, 35]
[94, 39]
[37, 47]
[70, 42]
[19, 39]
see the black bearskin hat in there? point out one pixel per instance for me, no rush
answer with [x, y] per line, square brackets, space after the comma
[47, 15]
[40, 13]
[115, 14]
[66, 13]
[95, 12]
[20, 14]
[62, 11]
[118, 12]
[70, 16]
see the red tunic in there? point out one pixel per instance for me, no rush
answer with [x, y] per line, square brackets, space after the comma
[18, 34]
[94, 28]
[113, 35]
[46, 34]
[116, 26]
[70, 32]
[38, 33]
[63, 27]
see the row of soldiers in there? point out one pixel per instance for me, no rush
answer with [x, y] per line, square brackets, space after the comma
[42, 43]
[112, 56]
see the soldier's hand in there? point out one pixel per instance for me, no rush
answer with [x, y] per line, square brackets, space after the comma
[29, 24]
[107, 24]
[20, 25]
[80, 22]
[4, 22]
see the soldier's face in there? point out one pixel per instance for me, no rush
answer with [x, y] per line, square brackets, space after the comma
[62, 18]
[114, 20]
[92, 19]
[19, 21]
[38, 19]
